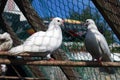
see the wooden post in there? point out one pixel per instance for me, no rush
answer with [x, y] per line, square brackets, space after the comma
[110, 9]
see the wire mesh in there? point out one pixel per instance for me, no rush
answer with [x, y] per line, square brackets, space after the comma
[73, 33]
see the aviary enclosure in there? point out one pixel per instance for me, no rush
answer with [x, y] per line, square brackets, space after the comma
[22, 18]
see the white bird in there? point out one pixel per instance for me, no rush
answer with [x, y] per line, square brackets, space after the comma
[3, 69]
[6, 41]
[43, 41]
[96, 43]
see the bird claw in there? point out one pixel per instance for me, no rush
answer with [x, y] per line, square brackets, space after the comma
[51, 59]
[100, 60]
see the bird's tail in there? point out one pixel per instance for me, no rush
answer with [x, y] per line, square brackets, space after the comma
[17, 50]
[110, 70]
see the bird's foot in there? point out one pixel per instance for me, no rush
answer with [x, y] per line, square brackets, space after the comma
[51, 59]
[100, 60]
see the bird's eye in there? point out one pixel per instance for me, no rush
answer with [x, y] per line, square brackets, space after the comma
[87, 21]
[58, 20]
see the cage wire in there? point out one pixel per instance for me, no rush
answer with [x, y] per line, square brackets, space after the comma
[74, 11]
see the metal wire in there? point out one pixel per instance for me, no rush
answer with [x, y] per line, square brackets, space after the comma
[67, 9]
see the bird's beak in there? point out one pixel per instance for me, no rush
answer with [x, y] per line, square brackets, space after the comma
[85, 24]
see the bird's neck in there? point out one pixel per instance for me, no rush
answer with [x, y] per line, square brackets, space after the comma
[92, 27]
[56, 31]
[53, 27]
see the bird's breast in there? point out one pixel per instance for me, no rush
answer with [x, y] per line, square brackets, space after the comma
[51, 40]
[55, 39]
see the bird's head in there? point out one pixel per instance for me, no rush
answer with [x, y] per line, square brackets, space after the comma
[6, 36]
[90, 24]
[57, 21]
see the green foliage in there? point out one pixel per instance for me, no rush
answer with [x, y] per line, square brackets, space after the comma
[116, 49]
[83, 16]
[108, 36]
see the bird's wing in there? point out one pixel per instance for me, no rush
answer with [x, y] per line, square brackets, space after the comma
[35, 37]
[106, 55]
[27, 48]
[91, 44]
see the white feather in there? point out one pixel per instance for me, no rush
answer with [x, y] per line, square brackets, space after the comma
[42, 41]
[96, 43]
[5, 41]
[3, 67]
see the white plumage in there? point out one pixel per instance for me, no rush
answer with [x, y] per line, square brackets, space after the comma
[3, 69]
[5, 41]
[97, 46]
[42, 41]
[96, 43]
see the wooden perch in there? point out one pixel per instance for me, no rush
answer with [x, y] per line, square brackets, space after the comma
[26, 54]
[51, 63]
[60, 63]
[21, 78]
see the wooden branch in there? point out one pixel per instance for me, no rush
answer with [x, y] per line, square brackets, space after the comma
[110, 9]
[26, 54]
[21, 78]
[59, 63]
[6, 27]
